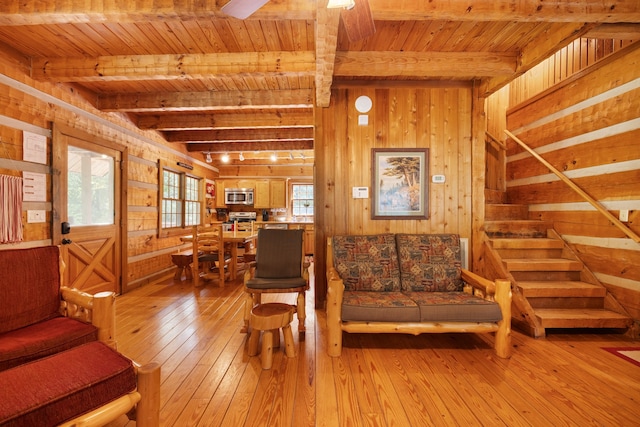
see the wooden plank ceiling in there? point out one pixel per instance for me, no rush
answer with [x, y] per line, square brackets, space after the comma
[224, 85]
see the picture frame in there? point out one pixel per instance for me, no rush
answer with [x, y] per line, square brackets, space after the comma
[210, 189]
[400, 183]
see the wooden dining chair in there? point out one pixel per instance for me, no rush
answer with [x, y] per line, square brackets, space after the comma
[208, 251]
[247, 250]
[279, 267]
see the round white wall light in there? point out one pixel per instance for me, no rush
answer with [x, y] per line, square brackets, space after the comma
[363, 104]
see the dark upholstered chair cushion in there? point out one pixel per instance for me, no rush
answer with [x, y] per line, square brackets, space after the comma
[279, 254]
[373, 306]
[454, 307]
[429, 262]
[60, 387]
[43, 339]
[31, 293]
[367, 263]
[212, 257]
[288, 283]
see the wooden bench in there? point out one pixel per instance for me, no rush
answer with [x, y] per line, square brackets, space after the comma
[183, 261]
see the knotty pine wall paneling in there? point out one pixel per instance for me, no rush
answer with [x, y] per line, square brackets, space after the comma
[26, 104]
[589, 128]
[437, 118]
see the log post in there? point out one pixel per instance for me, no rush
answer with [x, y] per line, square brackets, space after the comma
[335, 291]
[148, 409]
[104, 317]
[503, 334]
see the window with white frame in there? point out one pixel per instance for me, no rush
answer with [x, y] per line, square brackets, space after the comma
[181, 195]
[301, 200]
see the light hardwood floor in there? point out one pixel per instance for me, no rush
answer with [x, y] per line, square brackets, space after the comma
[380, 380]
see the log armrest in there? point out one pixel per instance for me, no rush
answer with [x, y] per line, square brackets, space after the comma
[98, 309]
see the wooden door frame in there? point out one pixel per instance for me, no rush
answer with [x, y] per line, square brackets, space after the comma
[58, 211]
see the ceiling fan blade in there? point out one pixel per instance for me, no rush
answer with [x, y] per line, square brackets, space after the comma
[242, 9]
[358, 21]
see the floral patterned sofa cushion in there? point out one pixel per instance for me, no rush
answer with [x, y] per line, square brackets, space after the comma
[367, 263]
[429, 262]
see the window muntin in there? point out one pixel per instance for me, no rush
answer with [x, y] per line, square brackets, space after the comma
[181, 200]
[302, 200]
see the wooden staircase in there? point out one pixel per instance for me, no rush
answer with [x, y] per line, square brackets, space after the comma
[552, 288]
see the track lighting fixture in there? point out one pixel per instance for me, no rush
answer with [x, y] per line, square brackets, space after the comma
[225, 158]
[274, 157]
[208, 159]
[290, 156]
[241, 157]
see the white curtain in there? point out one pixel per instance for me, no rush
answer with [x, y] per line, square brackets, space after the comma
[10, 209]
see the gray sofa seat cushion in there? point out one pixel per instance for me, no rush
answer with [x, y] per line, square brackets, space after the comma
[373, 306]
[454, 307]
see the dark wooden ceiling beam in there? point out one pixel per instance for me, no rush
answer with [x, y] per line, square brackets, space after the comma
[624, 31]
[206, 101]
[327, 23]
[77, 12]
[228, 147]
[240, 135]
[507, 10]
[252, 120]
[66, 11]
[170, 67]
[424, 64]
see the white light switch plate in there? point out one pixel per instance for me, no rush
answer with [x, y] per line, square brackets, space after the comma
[438, 179]
[36, 216]
[624, 215]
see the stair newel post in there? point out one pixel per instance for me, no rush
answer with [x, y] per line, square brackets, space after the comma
[503, 334]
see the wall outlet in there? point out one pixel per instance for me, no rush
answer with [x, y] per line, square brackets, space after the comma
[438, 179]
[624, 215]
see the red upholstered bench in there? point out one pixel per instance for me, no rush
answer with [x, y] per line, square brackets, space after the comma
[58, 388]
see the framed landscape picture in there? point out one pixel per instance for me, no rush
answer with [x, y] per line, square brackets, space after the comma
[400, 183]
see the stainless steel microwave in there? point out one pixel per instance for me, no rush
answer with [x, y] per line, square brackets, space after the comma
[238, 196]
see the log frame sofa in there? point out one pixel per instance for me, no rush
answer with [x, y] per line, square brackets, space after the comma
[58, 359]
[379, 304]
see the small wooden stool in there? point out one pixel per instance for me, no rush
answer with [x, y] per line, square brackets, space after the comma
[182, 260]
[270, 317]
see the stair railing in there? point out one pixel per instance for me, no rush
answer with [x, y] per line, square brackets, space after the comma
[499, 143]
[626, 230]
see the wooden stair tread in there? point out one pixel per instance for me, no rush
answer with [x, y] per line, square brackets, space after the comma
[561, 288]
[542, 264]
[517, 228]
[581, 318]
[527, 243]
[506, 211]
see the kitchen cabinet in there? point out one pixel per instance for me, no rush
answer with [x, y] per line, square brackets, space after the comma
[278, 193]
[309, 239]
[261, 195]
[220, 185]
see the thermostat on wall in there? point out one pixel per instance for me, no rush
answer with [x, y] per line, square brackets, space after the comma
[360, 192]
[438, 179]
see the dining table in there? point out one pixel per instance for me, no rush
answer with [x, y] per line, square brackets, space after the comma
[232, 238]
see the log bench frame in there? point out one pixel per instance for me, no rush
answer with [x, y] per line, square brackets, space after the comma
[498, 291]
